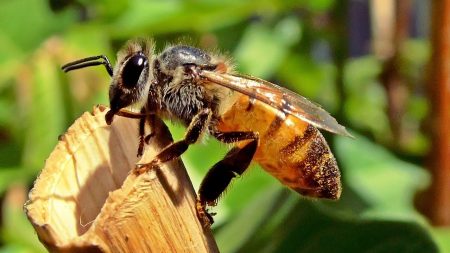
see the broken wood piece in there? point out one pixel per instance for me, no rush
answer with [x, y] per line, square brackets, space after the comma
[87, 199]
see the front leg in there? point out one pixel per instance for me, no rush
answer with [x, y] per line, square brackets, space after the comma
[126, 114]
[195, 129]
[141, 134]
[145, 139]
[144, 116]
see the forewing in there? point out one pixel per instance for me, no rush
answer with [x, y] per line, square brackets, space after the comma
[280, 98]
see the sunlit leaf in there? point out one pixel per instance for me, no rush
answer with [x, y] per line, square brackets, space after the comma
[310, 79]
[387, 183]
[16, 229]
[26, 28]
[10, 58]
[366, 99]
[16, 248]
[320, 5]
[12, 175]
[442, 236]
[170, 16]
[259, 43]
[45, 111]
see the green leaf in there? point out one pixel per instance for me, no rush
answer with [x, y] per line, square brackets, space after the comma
[442, 236]
[176, 16]
[28, 22]
[385, 182]
[16, 248]
[46, 118]
[320, 5]
[233, 235]
[259, 42]
[10, 58]
[311, 79]
[12, 175]
[366, 98]
[16, 229]
[309, 229]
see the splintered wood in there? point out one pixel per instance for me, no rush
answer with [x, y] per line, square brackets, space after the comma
[86, 198]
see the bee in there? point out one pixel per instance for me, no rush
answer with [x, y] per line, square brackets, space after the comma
[268, 124]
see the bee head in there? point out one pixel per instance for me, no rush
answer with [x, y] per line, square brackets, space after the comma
[131, 77]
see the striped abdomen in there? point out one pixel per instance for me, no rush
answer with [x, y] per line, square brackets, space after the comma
[290, 149]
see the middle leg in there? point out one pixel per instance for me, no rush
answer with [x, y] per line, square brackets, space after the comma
[176, 149]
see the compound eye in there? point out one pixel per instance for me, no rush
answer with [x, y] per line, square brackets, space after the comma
[133, 69]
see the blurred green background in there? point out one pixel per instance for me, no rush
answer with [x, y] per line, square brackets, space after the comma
[333, 52]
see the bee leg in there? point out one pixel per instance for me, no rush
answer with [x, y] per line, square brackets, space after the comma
[145, 139]
[176, 149]
[141, 136]
[131, 115]
[151, 122]
[235, 162]
[126, 114]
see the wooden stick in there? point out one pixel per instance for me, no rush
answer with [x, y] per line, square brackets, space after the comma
[435, 203]
[86, 199]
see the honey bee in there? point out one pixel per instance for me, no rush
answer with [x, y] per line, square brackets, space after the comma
[268, 124]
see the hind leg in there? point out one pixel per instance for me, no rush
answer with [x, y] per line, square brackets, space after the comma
[235, 162]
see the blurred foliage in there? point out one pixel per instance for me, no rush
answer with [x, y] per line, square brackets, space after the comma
[282, 41]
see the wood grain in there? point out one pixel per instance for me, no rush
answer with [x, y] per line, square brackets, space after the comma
[86, 199]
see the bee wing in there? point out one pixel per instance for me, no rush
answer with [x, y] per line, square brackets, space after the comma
[279, 98]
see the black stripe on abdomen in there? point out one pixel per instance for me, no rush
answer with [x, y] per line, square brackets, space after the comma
[299, 141]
